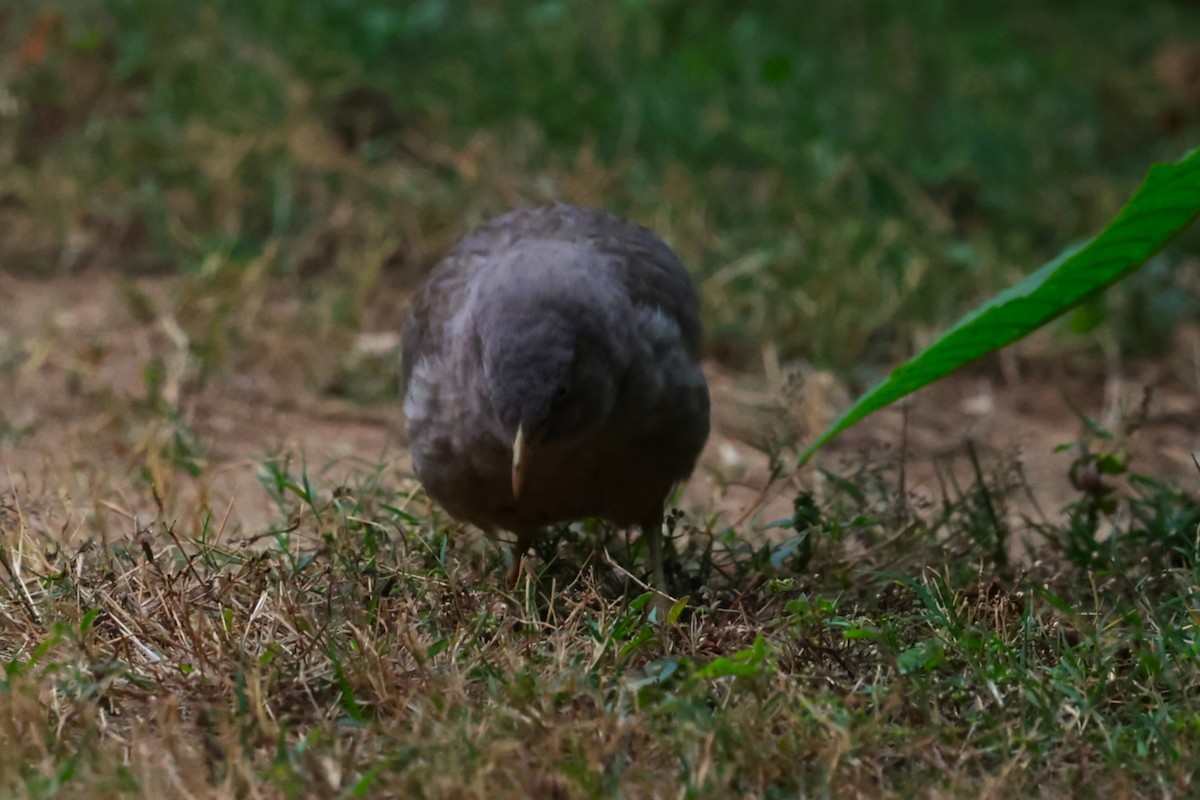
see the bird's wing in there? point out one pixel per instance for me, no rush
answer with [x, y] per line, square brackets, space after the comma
[651, 273]
[431, 308]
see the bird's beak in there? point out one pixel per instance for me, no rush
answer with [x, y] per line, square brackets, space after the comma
[522, 455]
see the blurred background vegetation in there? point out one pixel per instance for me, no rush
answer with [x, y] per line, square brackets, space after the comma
[845, 178]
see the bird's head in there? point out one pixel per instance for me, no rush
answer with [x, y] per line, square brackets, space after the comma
[553, 358]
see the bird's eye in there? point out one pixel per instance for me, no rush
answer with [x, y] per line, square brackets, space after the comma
[563, 392]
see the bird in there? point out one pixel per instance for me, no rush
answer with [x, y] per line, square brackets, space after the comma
[551, 372]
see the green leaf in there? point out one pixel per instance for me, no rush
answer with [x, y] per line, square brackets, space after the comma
[89, 617]
[742, 664]
[1167, 202]
[776, 70]
[1110, 464]
[922, 657]
[860, 633]
[677, 609]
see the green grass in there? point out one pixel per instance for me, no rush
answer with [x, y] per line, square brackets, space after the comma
[842, 180]
[872, 648]
[870, 173]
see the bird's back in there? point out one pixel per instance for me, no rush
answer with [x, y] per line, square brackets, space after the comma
[649, 271]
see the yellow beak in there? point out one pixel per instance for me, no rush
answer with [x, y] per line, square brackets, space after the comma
[522, 455]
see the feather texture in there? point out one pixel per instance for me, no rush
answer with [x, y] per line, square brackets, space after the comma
[577, 322]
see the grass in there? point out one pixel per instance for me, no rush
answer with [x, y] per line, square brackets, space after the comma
[871, 647]
[263, 184]
[872, 174]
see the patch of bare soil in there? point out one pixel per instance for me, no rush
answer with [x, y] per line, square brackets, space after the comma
[101, 400]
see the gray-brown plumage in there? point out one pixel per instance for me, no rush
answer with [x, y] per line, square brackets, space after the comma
[551, 372]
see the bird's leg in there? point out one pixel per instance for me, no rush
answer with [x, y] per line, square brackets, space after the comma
[520, 547]
[652, 530]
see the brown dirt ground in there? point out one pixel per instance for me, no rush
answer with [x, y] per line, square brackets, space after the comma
[80, 439]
